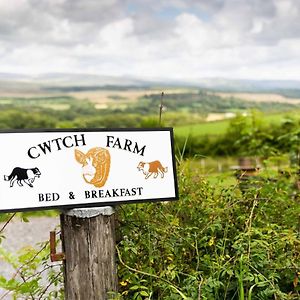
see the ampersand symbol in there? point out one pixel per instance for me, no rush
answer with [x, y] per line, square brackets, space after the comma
[71, 196]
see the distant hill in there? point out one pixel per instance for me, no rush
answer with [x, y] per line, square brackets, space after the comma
[65, 82]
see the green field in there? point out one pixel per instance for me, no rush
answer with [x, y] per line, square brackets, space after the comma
[220, 127]
[208, 128]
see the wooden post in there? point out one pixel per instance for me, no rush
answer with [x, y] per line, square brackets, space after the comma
[88, 241]
[161, 108]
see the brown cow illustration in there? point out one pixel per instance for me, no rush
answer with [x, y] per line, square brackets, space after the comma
[95, 165]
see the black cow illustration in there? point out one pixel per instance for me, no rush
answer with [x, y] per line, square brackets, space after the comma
[22, 175]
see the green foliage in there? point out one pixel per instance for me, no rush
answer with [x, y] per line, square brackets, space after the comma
[215, 241]
[25, 119]
[244, 136]
[35, 277]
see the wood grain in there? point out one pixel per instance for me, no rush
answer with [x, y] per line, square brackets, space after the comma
[90, 266]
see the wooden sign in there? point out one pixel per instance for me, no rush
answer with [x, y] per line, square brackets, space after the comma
[85, 168]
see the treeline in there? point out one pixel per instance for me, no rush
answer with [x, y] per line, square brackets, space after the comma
[67, 112]
[205, 102]
[16, 119]
[246, 135]
[290, 93]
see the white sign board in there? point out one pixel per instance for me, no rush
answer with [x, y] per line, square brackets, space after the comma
[85, 168]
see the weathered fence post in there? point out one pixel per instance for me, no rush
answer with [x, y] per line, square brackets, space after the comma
[88, 241]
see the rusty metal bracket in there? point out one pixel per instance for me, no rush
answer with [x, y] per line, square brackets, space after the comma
[53, 255]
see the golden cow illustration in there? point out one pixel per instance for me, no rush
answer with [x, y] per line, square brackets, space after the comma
[95, 165]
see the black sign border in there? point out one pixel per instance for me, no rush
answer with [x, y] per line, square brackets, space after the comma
[98, 204]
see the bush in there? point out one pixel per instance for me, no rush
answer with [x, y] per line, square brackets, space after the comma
[215, 242]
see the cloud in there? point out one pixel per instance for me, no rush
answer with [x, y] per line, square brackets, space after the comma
[182, 39]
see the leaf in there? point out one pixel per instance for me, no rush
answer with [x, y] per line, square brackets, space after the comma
[144, 293]
[25, 219]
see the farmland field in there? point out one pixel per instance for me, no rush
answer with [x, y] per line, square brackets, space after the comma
[124, 96]
[220, 127]
[259, 97]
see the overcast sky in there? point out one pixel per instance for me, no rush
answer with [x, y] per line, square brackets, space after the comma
[158, 39]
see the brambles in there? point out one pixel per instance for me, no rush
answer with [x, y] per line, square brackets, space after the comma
[215, 242]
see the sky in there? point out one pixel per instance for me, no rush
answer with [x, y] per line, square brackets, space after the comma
[152, 39]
